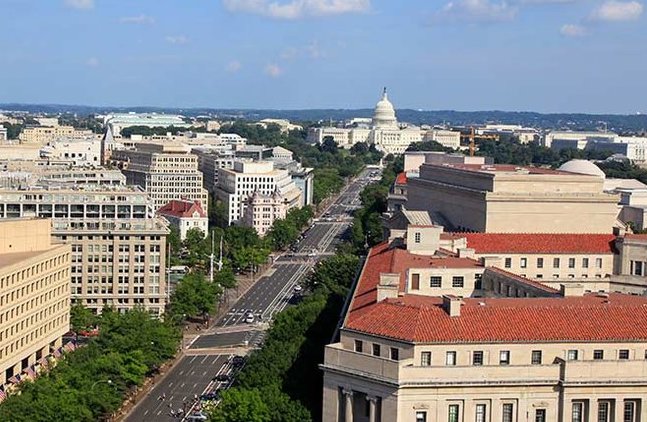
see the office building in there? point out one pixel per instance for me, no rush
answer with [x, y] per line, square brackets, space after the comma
[236, 186]
[185, 215]
[118, 121]
[118, 244]
[41, 135]
[3, 134]
[166, 171]
[76, 152]
[445, 137]
[262, 210]
[431, 335]
[34, 294]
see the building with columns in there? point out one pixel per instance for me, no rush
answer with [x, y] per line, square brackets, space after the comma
[431, 334]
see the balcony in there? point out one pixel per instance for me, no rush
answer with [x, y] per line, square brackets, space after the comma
[605, 372]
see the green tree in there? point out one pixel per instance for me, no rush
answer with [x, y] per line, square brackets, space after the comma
[194, 296]
[240, 405]
[81, 318]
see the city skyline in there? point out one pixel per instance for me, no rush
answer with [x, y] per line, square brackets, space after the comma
[540, 55]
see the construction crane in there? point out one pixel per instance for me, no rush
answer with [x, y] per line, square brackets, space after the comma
[472, 144]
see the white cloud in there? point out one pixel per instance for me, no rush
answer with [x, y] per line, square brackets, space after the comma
[475, 11]
[176, 39]
[138, 20]
[80, 4]
[616, 11]
[233, 66]
[572, 30]
[295, 9]
[92, 62]
[273, 70]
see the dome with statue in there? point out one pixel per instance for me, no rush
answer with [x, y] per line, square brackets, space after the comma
[384, 116]
[582, 167]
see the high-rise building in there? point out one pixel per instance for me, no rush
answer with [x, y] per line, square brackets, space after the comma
[118, 244]
[34, 294]
[166, 171]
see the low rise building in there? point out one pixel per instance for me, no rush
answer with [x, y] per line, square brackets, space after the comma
[166, 171]
[261, 211]
[445, 137]
[41, 135]
[119, 121]
[432, 336]
[118, 244]
[185, 215]
[34, 294]
[77, 152]
[3, 134]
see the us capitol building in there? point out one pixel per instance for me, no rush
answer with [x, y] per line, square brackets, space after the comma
[384, 131]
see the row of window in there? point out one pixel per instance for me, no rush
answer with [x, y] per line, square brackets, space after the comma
[536, 356]
[27, 339]
[523, 262]
[376, 350]
[436, 281]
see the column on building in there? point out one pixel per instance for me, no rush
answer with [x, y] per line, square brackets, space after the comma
[348, 405]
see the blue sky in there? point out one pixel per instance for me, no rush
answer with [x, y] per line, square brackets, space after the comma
[535, 55]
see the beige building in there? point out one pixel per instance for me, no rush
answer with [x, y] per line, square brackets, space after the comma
[41, 135]
[118, 245]
[237, 185]
[510, 349]
[445, 137]
[34, 294]
[504, 198]
[165, 171]
[262, 210]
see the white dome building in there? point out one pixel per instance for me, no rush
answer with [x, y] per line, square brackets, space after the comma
[384, 116]
[582, 167]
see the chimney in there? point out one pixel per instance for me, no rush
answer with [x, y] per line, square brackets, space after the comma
[571, 290]
[388, 287]
[452, 305]
[466, 253]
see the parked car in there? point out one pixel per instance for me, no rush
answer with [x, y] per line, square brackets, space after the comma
[222, 378]
[199, 416]
[213, 395]
[298, 288]
[238, 360]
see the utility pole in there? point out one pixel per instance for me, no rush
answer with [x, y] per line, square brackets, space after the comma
[220, 257]
[472, 144]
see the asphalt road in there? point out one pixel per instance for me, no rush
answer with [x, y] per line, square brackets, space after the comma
[188, 378]
[269, 295]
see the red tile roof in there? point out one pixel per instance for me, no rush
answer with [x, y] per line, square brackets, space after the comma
[401, 179]
[573, 319]
[556, 243]
[533, 283]
[384, 258]
[182, 209]
[639, 236]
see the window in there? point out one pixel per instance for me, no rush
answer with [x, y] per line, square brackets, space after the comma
[415, 281]
[598, 262]
[571, 355]
[480, 413]
[504, 357]
[457, 281]
[416, 237]
[395, 353]
[540, 415]
[376, 350]
[524, 262]
[435, 281]
[540, 262]
[629, 412]
[359, 346]
[421, 416]
[452, 415]
[585, 263]
[477, 358]
[603, 411]
[623, 354]
[571, 262]
[425, 359]
[450, 358]
[555, 262]
[478, 281]
[598, 354]
[577, 411]
[535, 358]
[507, 412]
[508, 262]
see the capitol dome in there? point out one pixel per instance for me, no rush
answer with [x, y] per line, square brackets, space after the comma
[582, 167]
[384, 116]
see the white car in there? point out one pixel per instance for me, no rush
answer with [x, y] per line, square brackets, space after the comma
[249, 318]
[298, 288]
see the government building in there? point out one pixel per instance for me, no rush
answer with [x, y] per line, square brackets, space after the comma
[435, 332]
[384, 132]
[34, 294]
